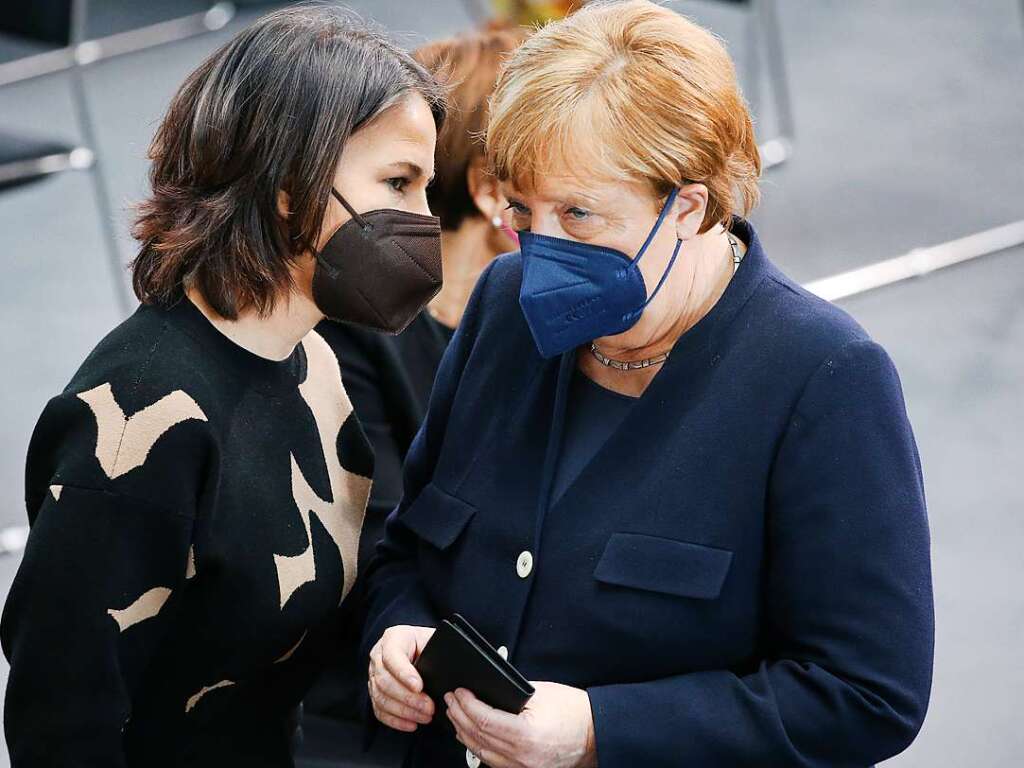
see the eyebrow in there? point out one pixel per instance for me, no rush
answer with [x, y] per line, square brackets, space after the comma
[412, 168]
[571, 198]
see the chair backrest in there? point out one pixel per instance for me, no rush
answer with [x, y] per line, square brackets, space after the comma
[44, 21]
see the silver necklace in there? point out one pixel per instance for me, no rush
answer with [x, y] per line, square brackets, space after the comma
[634, 365]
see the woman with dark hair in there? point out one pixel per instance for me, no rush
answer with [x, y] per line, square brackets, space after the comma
[197, 491]
[388, 378]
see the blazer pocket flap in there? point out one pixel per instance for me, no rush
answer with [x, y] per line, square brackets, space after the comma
[663, 565]
[437, 517]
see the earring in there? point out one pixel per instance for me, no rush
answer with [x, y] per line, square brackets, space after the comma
[496, 221]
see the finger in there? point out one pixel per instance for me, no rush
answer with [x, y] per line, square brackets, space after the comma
[495, 759]
[396, 708]
[394, 722]
[395, 659]
[376, 662]
[393, 689]
[501, 725]
[475, 731]
[488, 756]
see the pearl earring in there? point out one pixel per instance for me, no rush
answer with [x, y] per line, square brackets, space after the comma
[496, 221]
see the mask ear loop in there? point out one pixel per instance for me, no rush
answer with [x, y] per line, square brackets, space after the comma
[657, 225]
[675, 251]
[359, 219]
[664, 275]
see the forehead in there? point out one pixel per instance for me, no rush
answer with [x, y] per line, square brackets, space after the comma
[560, 185]
[407, 127]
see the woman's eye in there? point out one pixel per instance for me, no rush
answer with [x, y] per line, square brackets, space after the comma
[397, 183]
[578, 214]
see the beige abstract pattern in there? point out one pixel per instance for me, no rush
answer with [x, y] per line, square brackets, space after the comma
[145, 607]
[291, 651]
[194, 698]
[123, 443]
[190, 564]
[342, 517]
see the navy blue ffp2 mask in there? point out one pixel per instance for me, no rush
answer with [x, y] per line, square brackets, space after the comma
[573, 293]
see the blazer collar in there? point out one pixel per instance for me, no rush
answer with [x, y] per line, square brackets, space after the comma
[696, 347]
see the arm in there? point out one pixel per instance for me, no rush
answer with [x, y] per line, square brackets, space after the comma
[395, 596]
[94, 593]
[394, 593]
[849, 624]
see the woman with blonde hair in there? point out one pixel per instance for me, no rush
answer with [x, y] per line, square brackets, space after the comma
[681, 492]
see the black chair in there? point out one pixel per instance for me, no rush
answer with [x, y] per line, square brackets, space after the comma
[46, 37]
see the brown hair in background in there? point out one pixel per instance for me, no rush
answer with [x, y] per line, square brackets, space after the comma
[468, 65]
[270, 110]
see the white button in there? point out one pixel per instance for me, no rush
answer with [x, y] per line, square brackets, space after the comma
[524, 565]
[503, 652]
[472, 760]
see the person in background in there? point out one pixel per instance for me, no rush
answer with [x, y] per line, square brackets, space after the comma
[389, 378]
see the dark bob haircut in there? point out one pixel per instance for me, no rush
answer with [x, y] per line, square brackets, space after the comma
[270, 110]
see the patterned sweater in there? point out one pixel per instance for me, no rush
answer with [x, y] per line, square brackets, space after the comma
[196, 512]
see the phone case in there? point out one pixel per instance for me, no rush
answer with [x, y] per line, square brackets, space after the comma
[458, 656]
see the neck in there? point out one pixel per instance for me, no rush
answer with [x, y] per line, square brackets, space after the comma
[711, 257]
[464, 254]
[273, 336]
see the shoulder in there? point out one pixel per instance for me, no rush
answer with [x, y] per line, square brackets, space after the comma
[810, 325]
[147, 357]
[504, 276]
[134, 417]
[496, 298]
[832, 356]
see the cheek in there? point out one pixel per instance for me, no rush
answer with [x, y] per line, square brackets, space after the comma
[333, 219]
[658, 255]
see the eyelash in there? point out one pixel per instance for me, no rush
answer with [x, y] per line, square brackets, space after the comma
[403, 183]
[518, 209]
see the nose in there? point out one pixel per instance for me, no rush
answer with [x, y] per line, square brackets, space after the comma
[420, 205]
[548, 228]
[546, 222]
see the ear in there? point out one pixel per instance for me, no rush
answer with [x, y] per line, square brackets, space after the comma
[690, 206]
[484, 190]
[283, 202]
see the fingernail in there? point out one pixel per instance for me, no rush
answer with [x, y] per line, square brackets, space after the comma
[448, 699]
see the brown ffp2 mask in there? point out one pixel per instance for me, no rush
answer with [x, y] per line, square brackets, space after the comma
[379, 269]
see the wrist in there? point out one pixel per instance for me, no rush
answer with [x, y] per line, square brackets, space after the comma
[589, 759]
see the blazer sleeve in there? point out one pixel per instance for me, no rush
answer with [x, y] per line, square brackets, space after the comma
[94, 594]
[848, 636]
[394, 592]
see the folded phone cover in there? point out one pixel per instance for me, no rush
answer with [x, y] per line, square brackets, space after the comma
[457, 656]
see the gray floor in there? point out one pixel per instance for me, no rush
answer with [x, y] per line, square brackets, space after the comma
[911, 125]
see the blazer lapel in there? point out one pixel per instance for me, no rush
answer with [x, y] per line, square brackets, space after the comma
[565, 372]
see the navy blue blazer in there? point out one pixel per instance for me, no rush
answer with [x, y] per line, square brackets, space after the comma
[740, 576]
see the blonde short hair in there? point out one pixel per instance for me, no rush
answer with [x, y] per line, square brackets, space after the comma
[627, 90]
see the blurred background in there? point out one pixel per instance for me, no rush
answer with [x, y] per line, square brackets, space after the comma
[895, 136]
